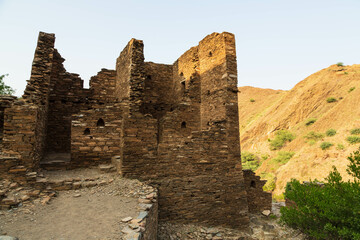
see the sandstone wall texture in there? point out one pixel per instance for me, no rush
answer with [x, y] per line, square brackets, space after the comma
[175, 126]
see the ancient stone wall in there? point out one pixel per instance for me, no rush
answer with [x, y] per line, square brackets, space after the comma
[197, 173]
[158, 97]
[37, 89]
[102, 86]
[258, 199]
[95, 135]
[5, 102]
[66, 97]
[173, 125]
[139, 141]
[25, 121]
[23, 125]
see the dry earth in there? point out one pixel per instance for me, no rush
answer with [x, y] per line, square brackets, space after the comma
[88, 213]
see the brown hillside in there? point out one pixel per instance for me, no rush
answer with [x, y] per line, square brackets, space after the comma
[290, 110]
[262, 100]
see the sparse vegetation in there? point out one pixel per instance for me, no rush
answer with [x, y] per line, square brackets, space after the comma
[279, 197]
[340, 147]
[327, 212]
[351, 89]
[310, 121]
[340, 64]
[264, 157]
[346, 73]
[252, 100]
[270, 184]
[330, 132]
[249, 161]
[355, 131]
[315, 136]
[331, 99]
[283, 157]
[353, 139]
[281, 137]
[326, 145]
[311, 142]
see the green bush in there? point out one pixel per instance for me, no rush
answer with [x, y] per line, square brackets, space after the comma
[325, 145]
[353, 139]
[281, 137]
[252, 100]
[312, 135]
[340, 64]
[331, 99]
[283, 157]
[249, 161]
[330, 211]
[310, 121]
[355, 131]
[4, 89]
[331, 132]
[351, 89]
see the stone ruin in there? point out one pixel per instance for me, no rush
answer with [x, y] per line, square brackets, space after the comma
[175, 126]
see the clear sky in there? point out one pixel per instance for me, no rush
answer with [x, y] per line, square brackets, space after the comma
[279, 42]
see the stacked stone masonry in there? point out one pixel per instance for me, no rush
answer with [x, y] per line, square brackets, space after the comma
[175, 126]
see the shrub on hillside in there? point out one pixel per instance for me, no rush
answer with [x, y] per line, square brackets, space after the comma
[310, 121]
[283, 157]
[351, 89]
[329, 211]
[312, 135]
[331, 132]
[281, 137]
[340, 147]
[252, 100]
[353, 139]
[325, 145]
[355, 131]
[331, 99]
[249, 161]
[340, 64]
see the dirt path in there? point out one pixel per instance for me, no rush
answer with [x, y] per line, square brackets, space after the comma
[89, 213]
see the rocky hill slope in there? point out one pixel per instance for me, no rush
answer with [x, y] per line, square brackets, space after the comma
[319, 114]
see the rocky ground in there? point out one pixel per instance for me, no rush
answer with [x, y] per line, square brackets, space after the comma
[95, 212]
[261, 228]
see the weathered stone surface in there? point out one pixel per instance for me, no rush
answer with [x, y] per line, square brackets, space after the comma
[127, 219]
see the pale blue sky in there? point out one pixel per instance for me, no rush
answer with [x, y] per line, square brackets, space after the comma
[279, 42]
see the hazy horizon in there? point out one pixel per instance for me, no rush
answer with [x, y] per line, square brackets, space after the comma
[278, 43]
